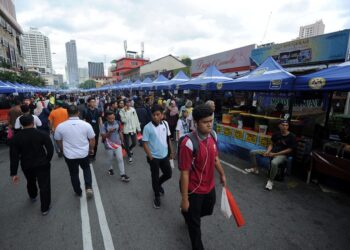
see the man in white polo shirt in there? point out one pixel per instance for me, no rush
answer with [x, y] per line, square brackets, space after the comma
[76, 138]
[158, 147]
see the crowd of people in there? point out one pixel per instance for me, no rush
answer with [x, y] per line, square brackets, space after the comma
[74, 125]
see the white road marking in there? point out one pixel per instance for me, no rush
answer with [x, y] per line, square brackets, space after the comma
[234, 167]
[106, 233]
[85, 220]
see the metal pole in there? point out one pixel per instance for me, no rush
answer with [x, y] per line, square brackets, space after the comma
[347, 105]
[329, 107]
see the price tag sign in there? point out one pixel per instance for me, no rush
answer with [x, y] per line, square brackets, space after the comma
[238, 134]
[251, 138]
[228, 131]
[264, 141]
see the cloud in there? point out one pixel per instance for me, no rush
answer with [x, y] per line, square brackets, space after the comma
[195, 28]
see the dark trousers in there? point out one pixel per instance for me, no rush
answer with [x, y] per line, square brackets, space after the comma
[200, 205]
[129, 147]
[73, 166]
[42, 176]
[172, 129]
[97, 136]
[157, 181]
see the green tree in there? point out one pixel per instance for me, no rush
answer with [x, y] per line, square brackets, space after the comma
[88, 84]
[63, 86]
[187, 61]
[22, 77]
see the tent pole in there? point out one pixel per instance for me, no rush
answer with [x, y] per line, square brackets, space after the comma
[290, 106]
[329, 107]
[347, 105]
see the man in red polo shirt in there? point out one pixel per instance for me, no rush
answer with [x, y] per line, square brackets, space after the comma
[197, 164]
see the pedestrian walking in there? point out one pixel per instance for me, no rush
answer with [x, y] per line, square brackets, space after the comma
[159, 150]
[198, 157]
[76, 139]
[112, 136]
[131, 126]
[56, 117]
[13, 114]
[43, 114]
[25, 111]
[94, 117]
[172, 116]
[34, 150]
[142, 114]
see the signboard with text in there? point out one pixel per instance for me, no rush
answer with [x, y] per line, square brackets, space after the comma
[228, 61]
[324, 48]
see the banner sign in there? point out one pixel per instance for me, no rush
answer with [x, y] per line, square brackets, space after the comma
[317, 49]
[228, 61]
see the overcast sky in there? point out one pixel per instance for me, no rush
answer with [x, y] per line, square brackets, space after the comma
[194, 28]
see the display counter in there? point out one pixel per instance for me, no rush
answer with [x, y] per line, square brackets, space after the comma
[245, 137]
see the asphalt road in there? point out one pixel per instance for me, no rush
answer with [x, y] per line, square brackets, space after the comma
[293, 216]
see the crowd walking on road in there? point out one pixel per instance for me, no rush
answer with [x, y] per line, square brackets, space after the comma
[167, 129]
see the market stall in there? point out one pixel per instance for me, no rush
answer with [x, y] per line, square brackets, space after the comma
[180, 77]
[250, 122]
[210, 76]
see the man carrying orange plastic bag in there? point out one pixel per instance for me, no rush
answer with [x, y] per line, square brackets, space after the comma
[198, 157]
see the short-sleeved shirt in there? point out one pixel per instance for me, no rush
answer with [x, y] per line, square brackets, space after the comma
[37, 122]
[92, 117]
[114, 137]
[201, 169]
[156, 138]
[75, 135]
[58, 116]
[183, 126]
[280, 142]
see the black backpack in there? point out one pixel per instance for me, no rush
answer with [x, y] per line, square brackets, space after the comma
[194, 139]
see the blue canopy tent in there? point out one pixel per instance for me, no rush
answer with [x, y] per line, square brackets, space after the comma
[6, 89]
[335, 78]
[269, 76]
[160, 80]
[180, 77]
[210, 76]
[135, 85]
[146, 84]
[19, 89]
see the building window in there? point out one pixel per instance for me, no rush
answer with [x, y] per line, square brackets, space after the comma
[134, 63]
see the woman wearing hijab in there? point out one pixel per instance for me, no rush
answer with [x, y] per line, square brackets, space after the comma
[43, 113]
[172, 116]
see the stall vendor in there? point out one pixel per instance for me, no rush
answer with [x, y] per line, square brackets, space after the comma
[283, 144]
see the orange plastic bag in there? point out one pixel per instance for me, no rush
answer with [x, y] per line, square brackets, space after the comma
[235, 209]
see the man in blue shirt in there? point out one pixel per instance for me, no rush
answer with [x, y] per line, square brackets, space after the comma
[158, 147]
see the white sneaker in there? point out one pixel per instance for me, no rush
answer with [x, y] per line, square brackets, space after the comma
[269, 185]
[130, 160]
[252, 170]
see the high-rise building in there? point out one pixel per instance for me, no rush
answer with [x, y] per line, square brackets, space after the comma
[72, 63]
[96, 69]
[37, 51]
[83, 75]
[11, 51]
[310, 30]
